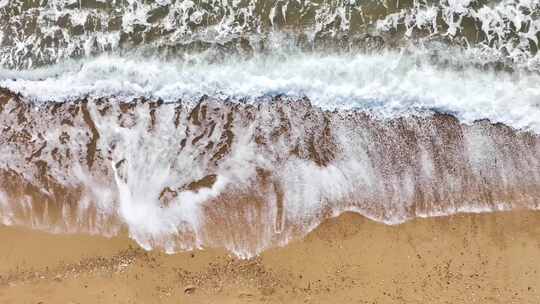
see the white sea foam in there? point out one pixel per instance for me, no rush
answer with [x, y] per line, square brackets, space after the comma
[6, 216]
[505, 30]
[389, 83]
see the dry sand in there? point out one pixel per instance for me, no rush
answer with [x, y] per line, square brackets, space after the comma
[487, 258]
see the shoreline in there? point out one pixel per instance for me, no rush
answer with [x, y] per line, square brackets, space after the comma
[488, 258]
[221, 172]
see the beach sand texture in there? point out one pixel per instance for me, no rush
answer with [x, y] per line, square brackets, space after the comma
[474, 258]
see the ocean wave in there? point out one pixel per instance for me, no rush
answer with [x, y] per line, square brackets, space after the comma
[388, 84]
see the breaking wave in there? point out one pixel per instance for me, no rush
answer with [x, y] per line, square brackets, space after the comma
[387, 84]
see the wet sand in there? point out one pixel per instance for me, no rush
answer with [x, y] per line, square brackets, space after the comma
[485, 258]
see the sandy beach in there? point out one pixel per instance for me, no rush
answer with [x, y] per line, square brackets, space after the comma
[475, 258]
